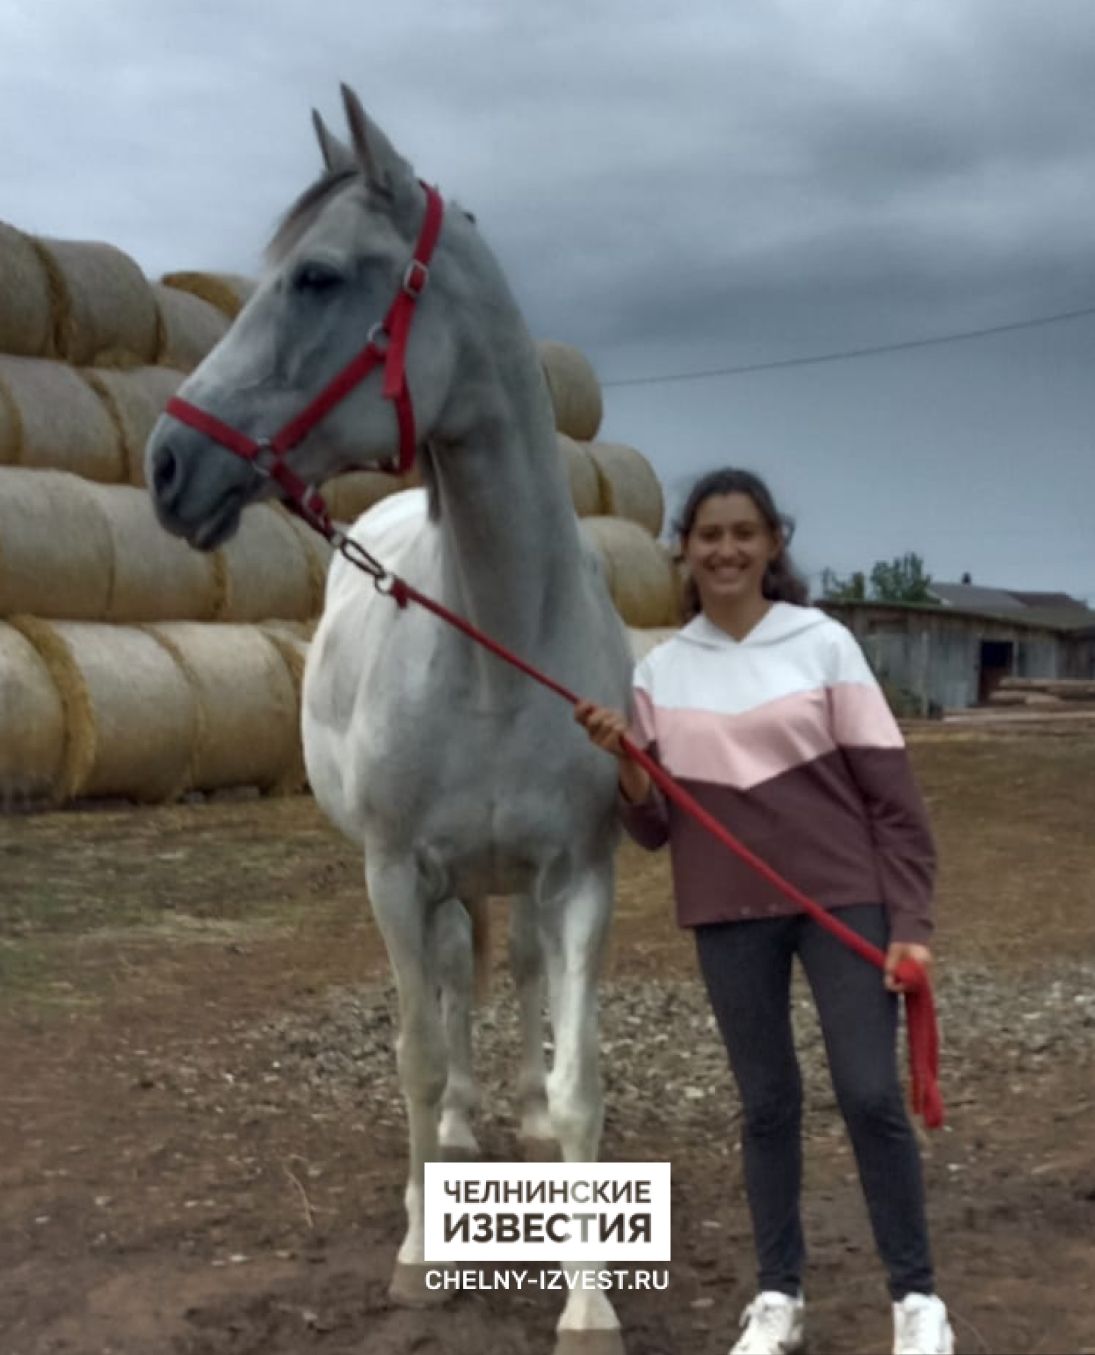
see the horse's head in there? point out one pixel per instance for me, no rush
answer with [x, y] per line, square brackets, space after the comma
[334, 267]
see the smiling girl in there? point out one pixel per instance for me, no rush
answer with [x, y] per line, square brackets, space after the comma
[768, 713]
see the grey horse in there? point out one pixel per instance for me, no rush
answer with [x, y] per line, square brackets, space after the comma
[460, 778]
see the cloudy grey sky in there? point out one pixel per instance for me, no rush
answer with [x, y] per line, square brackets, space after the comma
[672, 191]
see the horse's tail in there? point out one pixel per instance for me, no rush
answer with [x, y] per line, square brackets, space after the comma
[479, 909]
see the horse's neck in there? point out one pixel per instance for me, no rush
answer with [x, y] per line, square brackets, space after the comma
[511, 548]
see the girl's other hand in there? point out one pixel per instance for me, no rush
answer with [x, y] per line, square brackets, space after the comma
[905, 950]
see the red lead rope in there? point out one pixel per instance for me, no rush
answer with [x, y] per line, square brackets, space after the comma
[923, 1032]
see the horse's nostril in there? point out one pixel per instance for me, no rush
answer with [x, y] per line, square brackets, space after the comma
[165, 471]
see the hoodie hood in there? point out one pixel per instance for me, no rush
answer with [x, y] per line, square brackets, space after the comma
[781, 621]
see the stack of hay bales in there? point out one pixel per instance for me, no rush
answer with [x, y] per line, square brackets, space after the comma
[130, 665]
[618, 498]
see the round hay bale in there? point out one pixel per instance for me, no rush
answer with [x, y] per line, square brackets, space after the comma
[350, 495]
[134, 400]
[585, 483]
[227, 292]
[56, 551]
[643, 641]
[248, 708]
[32, 722]
[574, 389]
[131, 719]
[55, 421]
[155, 576]
[9, 430]
[292, 640]
[639, 570]
[265, 570]
[318, 553]
[104, 313]
[26, 317]
[190, 328]
[629, 487]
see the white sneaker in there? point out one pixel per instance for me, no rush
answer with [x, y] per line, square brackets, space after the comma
[773, 1325]
[920, 1326]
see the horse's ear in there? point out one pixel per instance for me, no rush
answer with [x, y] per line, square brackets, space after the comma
[384, 168]
[336, 154]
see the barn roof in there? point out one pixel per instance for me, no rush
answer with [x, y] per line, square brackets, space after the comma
[976, 596]
[1078, 623]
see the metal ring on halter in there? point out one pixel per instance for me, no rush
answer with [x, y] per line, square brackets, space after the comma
[373, 338]
[415, 277]
[265, 459]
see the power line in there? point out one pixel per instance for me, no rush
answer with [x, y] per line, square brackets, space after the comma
[848, 353]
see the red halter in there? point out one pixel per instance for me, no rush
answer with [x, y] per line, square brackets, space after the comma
[386, 343]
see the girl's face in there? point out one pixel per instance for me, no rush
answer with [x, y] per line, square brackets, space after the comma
[728, 549]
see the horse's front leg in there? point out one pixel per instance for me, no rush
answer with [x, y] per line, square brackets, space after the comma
[534, 1132]
[456, 968]
[574, 927]
[406, 918]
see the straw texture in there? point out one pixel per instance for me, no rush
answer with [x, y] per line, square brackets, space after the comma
[26, 315]
[643, 641]
[639, 570]
[629, 487]
[104, 313]
[130, 716]
[32, 722]
[189, 327]
[227, 292]
[55, 421]
[574, 389]
[134, 400]
[582, 476]
[350, 495]
[248, 707]
[154, 576]
[56, 549]
[267, 571]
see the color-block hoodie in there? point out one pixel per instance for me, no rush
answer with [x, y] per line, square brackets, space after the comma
[786, 737]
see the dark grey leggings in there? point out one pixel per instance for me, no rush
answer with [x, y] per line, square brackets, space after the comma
[747, 969]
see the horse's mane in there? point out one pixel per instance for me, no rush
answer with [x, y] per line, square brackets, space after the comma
[304, 211]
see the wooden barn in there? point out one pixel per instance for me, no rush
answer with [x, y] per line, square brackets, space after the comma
[953, 652]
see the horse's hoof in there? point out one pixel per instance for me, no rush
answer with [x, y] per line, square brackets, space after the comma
[594, 1342]
[409, 1289]
[540, 1150]
[460, 1152]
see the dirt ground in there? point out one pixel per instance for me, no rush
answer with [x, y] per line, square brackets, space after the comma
[201, 1151]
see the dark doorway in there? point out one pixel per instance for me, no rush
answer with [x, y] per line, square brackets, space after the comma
[996, 661]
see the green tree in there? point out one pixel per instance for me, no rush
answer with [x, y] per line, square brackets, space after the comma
[902, 579]
[851, 589]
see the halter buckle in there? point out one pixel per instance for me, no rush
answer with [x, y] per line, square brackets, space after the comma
[415, 277]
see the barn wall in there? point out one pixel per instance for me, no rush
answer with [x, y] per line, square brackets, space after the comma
[1078, 660]
[937, 658]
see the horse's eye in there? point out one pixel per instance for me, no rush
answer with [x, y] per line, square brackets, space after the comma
[316, 277]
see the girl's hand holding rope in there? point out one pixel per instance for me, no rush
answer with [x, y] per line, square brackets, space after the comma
[607, 728]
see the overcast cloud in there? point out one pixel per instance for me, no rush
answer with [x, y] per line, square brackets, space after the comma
[739, 184]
